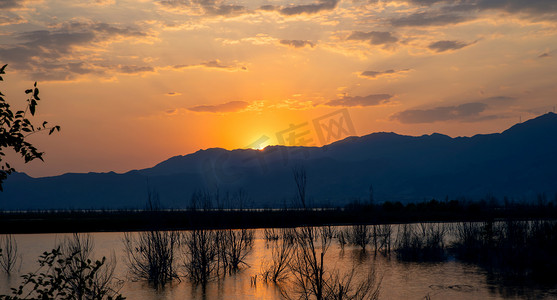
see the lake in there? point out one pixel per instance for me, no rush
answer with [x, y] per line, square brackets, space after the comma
[447, 279]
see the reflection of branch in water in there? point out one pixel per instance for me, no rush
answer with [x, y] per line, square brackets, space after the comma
[151, 256]
[308, 277]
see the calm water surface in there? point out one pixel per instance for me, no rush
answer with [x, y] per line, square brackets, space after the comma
[400, 280]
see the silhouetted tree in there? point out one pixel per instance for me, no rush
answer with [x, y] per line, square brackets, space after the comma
[311, 279]
[276, 269]
[15, 129]
[371, 199]
[360, 235]
[300, 177]
[202, 259]
[8, 253]
[235, 245]
[151, 255]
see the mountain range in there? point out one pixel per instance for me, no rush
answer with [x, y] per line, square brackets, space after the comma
[519, 163]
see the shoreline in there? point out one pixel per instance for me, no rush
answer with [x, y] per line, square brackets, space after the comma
[122, 221]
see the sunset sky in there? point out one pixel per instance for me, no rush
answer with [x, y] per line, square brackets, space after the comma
[133, 83]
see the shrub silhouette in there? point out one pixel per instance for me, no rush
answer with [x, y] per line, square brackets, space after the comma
[66, 277]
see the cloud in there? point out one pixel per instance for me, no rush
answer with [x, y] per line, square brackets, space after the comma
[54, 54]
[171, 111]
[369, 100]
[448, 12]
[547, 54]
[104, 2]
[206, 7]
[500, 99]
[173, 94]
[313, 8]
[133, 69]
[214, 64]
[9, 19]
[442, 46]
[426, 2]
[258, 39]
[291, 104]
[374, 37]
[232, 106]
[309, 8]
[269, 7]
[538, 6]
[470, 112]
[386, 73]
[297, 43]
[511, 6]
[11, 4]
[429, 19]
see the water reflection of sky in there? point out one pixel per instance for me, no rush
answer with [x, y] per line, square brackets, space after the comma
[400, 280]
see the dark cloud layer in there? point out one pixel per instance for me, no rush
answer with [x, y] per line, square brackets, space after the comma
[207, 7]
[513, 6]
[297, 43]
[369, 100]
[442, 46]
[49, 54]
[547, 54]
[10, 4]
[220, 8]
[500, 99]
[465, 112]
[446, 12]
[212, 64]
[313, 8]
[429, 19]
[374, 37]
[376, 74]
[232, 106]
[133, 69]
[10, 18]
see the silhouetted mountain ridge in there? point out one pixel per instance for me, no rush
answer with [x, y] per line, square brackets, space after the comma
[520, 162]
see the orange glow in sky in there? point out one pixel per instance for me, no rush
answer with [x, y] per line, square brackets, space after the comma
[133, 83]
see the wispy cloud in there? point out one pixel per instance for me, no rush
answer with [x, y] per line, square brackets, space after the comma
[369, 100]
[232, 106]
[56, 53]
[386, 73]
[133, 69]
[215, 64]
[470, 112]
[11, 4]
[374, 37]
[429, 19]
[297, 43]
[443, 46]
[313, 8]
[547, 54]
[9, 18]
[449, 12]
[206, 7]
